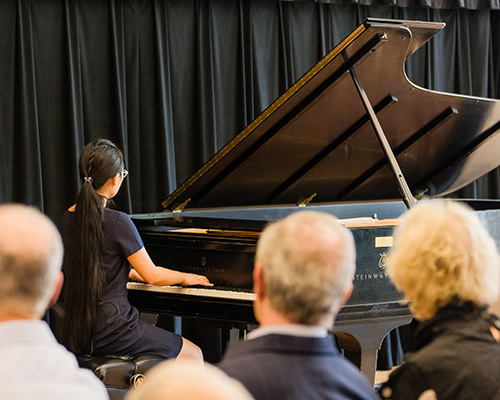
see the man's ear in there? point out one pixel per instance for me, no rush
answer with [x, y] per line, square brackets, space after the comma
[57, 289]
[347, 294]
[259, 287]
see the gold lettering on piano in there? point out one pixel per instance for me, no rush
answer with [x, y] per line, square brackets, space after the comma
[382, 262]
[384, 241]
[200, 269]
[367, 277]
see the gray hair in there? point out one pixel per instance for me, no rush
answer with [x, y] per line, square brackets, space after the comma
[308, 261]
[31, 254]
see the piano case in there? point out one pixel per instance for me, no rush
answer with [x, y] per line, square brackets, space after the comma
[353, 137]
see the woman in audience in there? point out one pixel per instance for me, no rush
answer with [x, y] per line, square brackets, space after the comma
[448, 267]
[102, 250]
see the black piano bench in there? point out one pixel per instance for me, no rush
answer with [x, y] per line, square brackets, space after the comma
[120, 373]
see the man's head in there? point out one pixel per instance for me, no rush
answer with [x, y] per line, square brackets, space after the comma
[30, 261]
[442, 251]
[188, 380]
[304, 268]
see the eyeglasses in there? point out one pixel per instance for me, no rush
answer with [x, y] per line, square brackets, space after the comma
[124, 173]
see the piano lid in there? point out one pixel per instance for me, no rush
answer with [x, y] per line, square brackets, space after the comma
[317, 143]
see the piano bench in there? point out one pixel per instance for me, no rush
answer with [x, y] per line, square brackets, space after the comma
[120, 373]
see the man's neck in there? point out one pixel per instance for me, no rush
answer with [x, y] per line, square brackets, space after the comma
[268, 316]
[298, 330]
[12, 316]
[273, 319]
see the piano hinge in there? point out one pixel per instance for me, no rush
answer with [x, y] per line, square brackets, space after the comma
[181, 206]
[305, 202]
[421, 194]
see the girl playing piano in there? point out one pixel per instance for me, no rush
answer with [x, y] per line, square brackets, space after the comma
[102, 251]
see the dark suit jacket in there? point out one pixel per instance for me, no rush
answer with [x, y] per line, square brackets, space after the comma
[275, 367]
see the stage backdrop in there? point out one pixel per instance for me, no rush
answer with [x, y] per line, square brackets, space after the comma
[171, 81]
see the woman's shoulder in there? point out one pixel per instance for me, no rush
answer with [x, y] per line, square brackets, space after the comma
[115, 217]
[65, 222]
[119, 226]
[66, 215]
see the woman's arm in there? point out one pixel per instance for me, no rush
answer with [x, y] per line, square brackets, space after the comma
[143, 269]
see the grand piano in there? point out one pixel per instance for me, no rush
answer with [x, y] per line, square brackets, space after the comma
[353, 137]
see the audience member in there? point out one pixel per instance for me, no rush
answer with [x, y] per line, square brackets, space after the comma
[34, 365]
[447, 266]
[186, 380]
[302, 276]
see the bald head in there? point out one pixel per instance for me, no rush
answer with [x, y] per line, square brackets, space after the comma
[30, 259]
[188, 380]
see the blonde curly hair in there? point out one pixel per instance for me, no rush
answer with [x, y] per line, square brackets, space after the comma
[442, 251]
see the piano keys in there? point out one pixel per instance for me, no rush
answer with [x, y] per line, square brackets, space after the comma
[353, 137]
[230, 308]
[176, 290]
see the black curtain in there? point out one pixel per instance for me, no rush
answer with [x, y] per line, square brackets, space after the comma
[440, 4]
[171, 81]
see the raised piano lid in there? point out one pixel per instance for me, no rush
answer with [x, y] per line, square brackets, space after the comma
[316, 144]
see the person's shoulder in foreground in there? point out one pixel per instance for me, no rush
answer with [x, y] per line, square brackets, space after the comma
[303, 275]
[293, 367]
[34, 365]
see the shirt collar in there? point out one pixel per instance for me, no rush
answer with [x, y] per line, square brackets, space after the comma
[25, 330]
[290, 330]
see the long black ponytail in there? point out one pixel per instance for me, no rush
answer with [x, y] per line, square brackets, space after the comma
[100, 160]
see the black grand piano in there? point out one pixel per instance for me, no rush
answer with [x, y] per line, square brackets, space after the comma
[353, 137]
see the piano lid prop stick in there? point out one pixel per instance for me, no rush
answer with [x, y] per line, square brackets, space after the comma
[403, 187]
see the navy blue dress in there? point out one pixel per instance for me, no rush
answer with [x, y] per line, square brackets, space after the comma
[119, 329]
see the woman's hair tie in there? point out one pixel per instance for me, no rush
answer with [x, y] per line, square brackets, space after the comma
[88, 179]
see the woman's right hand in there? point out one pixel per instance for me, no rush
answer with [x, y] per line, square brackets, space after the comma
[156, 275]
[194, 280]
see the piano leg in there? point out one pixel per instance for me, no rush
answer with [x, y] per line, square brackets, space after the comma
[234, 335]
[362, 339]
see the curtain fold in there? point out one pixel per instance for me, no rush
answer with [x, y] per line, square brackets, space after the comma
[71, 54]
[165, 101]
[26, 157]
[172, 81]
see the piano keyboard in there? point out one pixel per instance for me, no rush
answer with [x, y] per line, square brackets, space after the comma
[204, 292]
